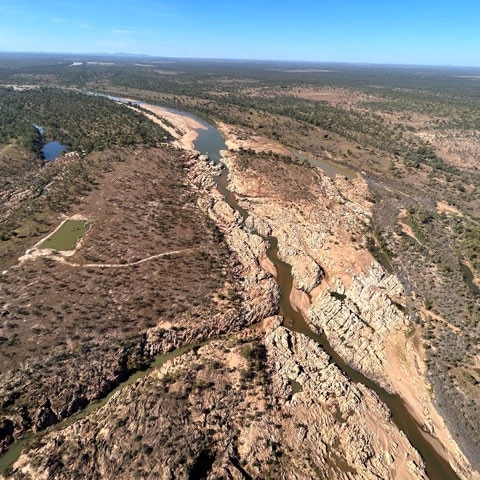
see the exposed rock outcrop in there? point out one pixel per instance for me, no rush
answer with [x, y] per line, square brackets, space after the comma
[350, 293]
[262, 402]
[227, 411]
[338, 422]
[358, 319]
[259, 289]
[356, 303]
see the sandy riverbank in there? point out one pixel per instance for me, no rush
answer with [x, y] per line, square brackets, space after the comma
[406, 371]
[398, 355]
[185, 130]
[235, 138]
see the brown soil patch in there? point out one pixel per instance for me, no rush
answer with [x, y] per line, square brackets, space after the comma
[406, 228]
[78, 324]
[428, 313]
[144, 222]
[336, 97]
[237, 138]
[444, 207]
[460, 148]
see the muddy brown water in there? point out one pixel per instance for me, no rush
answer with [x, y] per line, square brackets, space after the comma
[437, 467]
[331, 169]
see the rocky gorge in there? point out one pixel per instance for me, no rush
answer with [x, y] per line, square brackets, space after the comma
[355, 302]
[260, 400]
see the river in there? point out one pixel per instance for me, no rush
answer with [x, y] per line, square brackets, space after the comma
[436, 466]
[210, 141]
[15, 450]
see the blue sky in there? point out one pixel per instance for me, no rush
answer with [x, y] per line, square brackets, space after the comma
[442, 32]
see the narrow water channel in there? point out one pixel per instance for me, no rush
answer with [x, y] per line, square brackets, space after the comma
[331, 169]
[12, 454]
[436, 466]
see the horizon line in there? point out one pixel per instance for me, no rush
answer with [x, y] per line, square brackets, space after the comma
[226, 59]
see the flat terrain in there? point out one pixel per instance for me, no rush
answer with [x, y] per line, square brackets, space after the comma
[66, 236]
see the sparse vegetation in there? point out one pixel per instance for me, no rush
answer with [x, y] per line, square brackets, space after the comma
[413, 134]
[72, 319]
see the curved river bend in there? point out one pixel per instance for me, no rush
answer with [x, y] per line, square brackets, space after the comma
[210, 142]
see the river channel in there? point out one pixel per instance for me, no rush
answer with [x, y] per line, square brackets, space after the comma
[15, 450]
[436, 466]
[210, 141]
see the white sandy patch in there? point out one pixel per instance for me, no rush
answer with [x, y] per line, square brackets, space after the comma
[186, 127]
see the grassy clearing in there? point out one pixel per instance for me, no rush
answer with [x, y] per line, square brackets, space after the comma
[67, 236]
